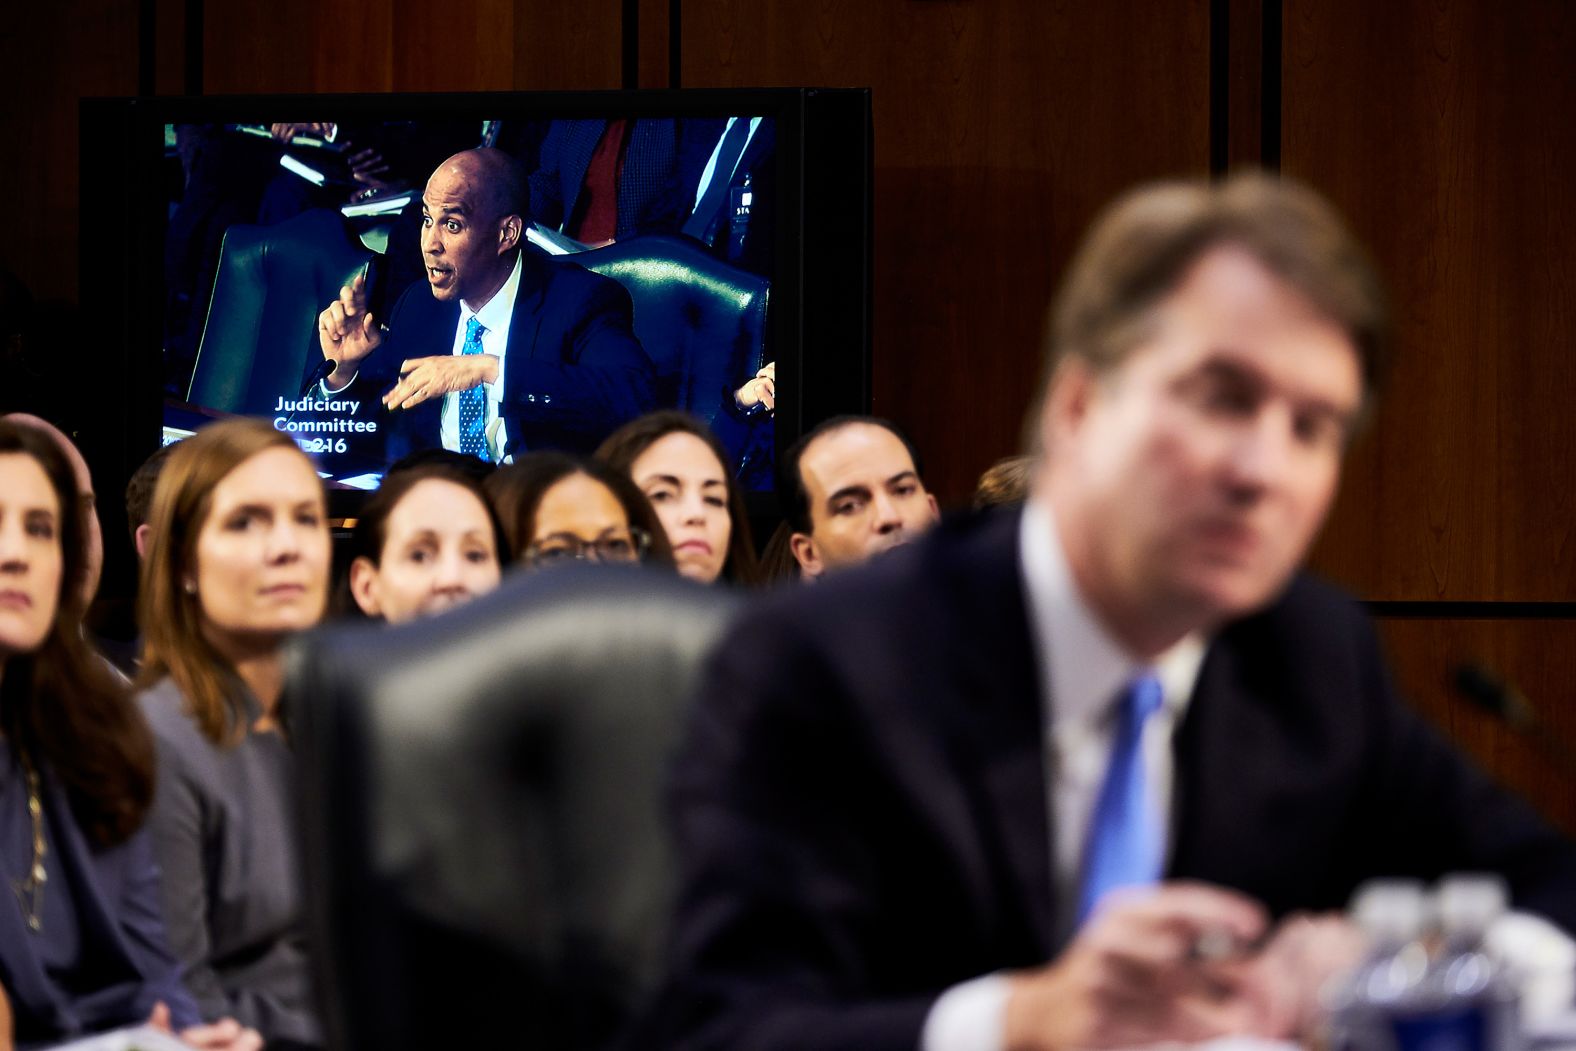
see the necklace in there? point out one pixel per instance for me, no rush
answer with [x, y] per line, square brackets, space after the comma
[30, 891]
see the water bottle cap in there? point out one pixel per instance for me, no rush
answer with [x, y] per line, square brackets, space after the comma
[1469, 903]
[1390, 910]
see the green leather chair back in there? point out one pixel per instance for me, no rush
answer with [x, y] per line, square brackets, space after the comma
[260, 339]
[702, 321]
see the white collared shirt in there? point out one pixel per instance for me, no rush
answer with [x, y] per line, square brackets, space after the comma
[1082, 673]
[494, 318]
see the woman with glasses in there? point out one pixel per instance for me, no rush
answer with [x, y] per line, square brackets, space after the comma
[82, 943]
[237, 562]
[427, 540]
[682, 469]
[557, 509]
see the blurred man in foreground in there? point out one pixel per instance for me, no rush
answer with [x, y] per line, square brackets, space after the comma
[1063, 778]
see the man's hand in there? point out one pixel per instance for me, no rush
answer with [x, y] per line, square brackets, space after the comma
[224, 1035]
[368, 168]
[347, 333]
[1132, 977]
[423, 378]
[1286, 979]
[762, 390]
[286, 132]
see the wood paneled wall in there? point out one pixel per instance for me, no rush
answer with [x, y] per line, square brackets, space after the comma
[1000, 130]
[51, 56]
[1440, 127]
[1538, 655]
[1443, 133]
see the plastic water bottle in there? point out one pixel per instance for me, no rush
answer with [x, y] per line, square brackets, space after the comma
[1402, 998]
[1391, 914]
[1465, 1002]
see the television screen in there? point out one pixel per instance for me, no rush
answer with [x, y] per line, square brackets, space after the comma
[493, 274]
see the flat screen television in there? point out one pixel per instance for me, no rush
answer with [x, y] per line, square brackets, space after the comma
[727, 231]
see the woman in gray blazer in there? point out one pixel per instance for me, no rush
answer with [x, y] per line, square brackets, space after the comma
[237, 561]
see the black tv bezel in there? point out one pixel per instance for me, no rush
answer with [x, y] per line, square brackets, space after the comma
[820, 319]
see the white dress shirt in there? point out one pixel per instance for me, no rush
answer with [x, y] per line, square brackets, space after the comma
[495, 318]
[1082, 674]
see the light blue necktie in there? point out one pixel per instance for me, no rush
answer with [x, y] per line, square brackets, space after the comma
[473, 402]
[1124, 844]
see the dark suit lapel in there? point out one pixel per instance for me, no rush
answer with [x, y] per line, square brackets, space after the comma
[1260, 775]
[425, 329]
[760, 144]
[999, 728]
[525, 323]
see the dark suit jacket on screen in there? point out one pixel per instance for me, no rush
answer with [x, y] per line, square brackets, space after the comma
[645, 199]
[573, 372]
[758, 164]
[861, 803]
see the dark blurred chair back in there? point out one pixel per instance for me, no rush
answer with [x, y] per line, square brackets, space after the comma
[487, 856]
[260, 339]
[702, 321]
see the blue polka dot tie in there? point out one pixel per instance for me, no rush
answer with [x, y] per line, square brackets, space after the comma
[473, 402]
[1125, 838]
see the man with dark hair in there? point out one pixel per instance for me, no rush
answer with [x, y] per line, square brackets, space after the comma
[139, 496]
[498, 350]
[1063, 777]
[850, 490]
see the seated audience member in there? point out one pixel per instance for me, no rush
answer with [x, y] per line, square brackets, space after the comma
[778, 566]
[1008, 790]
[1005, 483]
[118, 653]
[683, 471]
[471, 467]
[426, 540]
[82, 946]
[139, 497]
[851, 490]
[557, 508]
[86, 503]
[237, 562]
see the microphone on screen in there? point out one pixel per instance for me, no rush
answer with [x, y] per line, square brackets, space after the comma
[318, 375]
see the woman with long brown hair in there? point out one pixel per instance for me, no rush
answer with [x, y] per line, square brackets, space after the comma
[237, 562]
[683, 471]
[82, 946]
